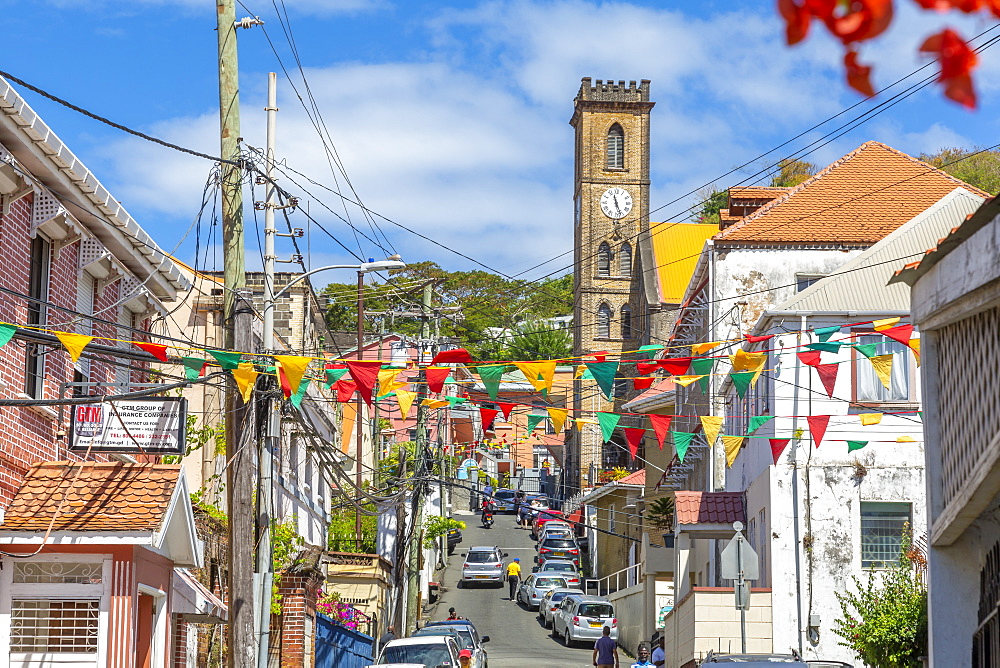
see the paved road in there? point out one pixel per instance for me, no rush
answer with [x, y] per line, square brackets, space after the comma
[517, 638]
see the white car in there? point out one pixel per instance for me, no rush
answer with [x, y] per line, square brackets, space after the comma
[567, 569]
[555, 530]
[423, 651]
[536, 585]
[550, 603]
[581, 617]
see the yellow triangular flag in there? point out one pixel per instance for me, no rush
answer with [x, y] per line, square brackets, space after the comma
[532, 371]
[702, 348]
[580, 422]
[558, 417]
[386, 381]
[294, 367]
[744, 361]
[915, 347]
[434, 403]
[733, 445]
[886, 323]
[711, 424]
[684, 381]
[870, 418]
[405, 400]
[905, 439]
[883, 368]
[580, 370]
[75, 343]
[245, 376]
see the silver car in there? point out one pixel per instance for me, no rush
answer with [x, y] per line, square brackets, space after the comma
[550, 603]
[584, 618]
[465, 635]
[427, 651]
[483, 564]
[536, 585]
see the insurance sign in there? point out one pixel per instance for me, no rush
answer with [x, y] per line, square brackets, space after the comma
[135, 427]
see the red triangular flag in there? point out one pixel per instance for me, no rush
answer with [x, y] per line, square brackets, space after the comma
[487, 415]
[810, 357]
[901, 333]
[634, 436]
[345, 390]
[828, 374]
[644, 367]
[642, 383]
[286, 387]
[365, 374]
[436, 375]
[758, 339]
[675, 366]
[817, 427]
[600, 357]
[453, 356]
[777, 447]
[506, 408]
[661, 425]
[154, 349]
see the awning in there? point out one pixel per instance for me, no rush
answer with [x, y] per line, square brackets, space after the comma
[193, 600]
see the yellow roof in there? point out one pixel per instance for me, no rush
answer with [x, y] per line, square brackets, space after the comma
[676, 247]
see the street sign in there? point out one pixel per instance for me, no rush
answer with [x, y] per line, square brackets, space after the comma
[738, 557]
[138, 426]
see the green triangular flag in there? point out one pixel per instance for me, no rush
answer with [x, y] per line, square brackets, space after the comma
[825, 347]
[533, 421]
[649, 352]
[192, 367]
[702, 367]
[608, 422]
[741, 381]
[454, 401]
[682, 440]
[333, 375]
[855, 445]
[491, 376]
[867, 349]
[586, 375]
[824, 333]
[6, 333]
[227, 360]
[604, 374]
[296, 398]
[756, 421]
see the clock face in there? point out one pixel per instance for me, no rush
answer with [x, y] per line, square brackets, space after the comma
[616, 203]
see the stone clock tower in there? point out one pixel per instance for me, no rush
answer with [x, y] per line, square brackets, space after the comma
[611, 244]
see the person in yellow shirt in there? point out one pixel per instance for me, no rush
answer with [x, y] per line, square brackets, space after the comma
[513, 575]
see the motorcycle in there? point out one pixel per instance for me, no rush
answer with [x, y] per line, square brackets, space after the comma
[487, 519]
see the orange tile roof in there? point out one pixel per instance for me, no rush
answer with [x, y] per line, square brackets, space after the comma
[709, 507]
[757, 192]
[634, 478]
[856, 201]
[98, 497]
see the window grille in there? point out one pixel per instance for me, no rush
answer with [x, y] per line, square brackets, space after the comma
[48, 625]
[57, 572]
[625, 260]
[882, 527]
[626, 315]
[604, 321]
[986, 640]
[867, 385]
[616, 147]
[604, 259]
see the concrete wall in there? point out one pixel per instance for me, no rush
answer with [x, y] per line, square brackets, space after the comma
[707, 619]
[629, 611]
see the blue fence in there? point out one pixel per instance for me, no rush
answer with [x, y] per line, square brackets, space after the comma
[339, 647]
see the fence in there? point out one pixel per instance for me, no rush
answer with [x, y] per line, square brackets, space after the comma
[341, 647]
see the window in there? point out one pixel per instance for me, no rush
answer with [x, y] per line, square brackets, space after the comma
[626, 315]
[869, 388]
[38, 289]
[616, 147]
[625, 260]
[882, 526]
[604, 322]
[123, 374]
[620, 388]
[803, 281]
[604, 259]
[47, 625]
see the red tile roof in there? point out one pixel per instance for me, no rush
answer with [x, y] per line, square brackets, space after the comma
[98, 497]
[856, 201]
[709, 507]
[634, 478]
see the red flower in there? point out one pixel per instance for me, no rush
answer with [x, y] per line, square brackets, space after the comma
[957, 61]
[858, 75]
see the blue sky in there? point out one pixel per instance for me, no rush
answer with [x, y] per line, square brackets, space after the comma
[451, 117]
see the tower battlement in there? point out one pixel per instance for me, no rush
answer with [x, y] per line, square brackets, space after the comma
[613, 91]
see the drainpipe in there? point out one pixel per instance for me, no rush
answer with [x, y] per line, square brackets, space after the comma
[795, 495]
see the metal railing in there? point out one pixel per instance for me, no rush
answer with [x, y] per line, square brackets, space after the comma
[626, 577]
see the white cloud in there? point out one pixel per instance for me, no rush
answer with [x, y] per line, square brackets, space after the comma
[313, 7]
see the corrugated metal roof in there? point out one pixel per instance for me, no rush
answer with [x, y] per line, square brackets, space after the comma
[862, 283]
[676, 247]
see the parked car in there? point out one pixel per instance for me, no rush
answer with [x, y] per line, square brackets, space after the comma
[483, 564]
[535, 586]
[560, 548]
[465, 635]
[545, 559]
[550, 603]
[424, 651]
[565, 568]
[454, 538]
[582, 617]
[555, 530]
[544, 517]
[505, 500]
[758, 660]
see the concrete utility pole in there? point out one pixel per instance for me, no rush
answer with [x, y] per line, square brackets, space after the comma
[359, 406]
[237, 311]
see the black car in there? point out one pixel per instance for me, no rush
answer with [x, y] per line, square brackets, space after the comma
[454, 538]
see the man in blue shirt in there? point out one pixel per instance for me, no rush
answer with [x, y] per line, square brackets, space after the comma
[606, 650]
[643, 661]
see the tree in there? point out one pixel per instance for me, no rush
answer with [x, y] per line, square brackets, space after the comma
[792, 172]
[712, 201]
[538, 340]
[975, 166]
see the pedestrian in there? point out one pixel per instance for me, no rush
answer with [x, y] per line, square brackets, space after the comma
[518, 504]
[643, 658]
[659, 656]
[465, 658]
[390, 634]
[606, 650]
[452, 614]
[513, 575]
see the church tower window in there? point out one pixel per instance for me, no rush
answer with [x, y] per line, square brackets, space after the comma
[616, 147]
[626, 313]
[604, 322]
[604, 259]
[625, 260]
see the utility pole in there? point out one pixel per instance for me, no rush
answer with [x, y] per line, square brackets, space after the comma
[359, 406]
[264, 575]
[240, 418]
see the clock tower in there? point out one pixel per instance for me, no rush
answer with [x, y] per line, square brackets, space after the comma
[611, 245]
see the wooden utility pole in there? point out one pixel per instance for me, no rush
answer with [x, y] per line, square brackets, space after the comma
[359, 407]
[237, 319]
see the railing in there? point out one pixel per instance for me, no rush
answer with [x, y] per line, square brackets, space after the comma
[626, 577]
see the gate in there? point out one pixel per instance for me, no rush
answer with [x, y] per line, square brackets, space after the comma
[341, 647]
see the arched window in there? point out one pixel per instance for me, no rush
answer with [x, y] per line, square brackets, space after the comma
[604, 259]
[625, 260]
[616, 147]
[604, 322]
[626, 321]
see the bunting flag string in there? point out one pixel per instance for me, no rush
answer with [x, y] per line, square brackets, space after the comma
[333, 375]
[732, 445]
[855, 445]
[742, 381]
[194, 367]
[608, 422]
[436, 377]
[661, 425]
[346, 389]
[884, 324]
[533, 422]
[824, 333]
[809, 357]
[539, 374]
[702, 348]
[245, 376]
[817, 427]
[229, 361]
[828, 376]
[604, 373]
[506, 407]
[364, 374]
[682, 441]
[299, 394]
[634, 436]
[405, 399]
[870, 418]
[901, 333]
[711, 424]
[74, 343]
[286, 387]
[294, 367]
[387, 381]
[486, 416]
[756, 422]
[883, 368]
[558, 417]
[777, 447]
[491, 376]
[155, 349]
